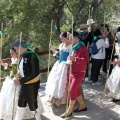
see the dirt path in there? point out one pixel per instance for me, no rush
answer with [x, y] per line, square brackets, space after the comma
[99, 107]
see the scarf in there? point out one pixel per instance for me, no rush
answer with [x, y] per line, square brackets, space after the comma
[77, 46]
[96, 38]
[27, 52]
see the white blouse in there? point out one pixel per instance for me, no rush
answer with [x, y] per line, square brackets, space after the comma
[101, 54]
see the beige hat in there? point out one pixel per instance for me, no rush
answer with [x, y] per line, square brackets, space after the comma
[90, 21]
[83, 28]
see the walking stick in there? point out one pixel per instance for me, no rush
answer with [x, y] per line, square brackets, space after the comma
[1, 40]
[50, 44]
[90, 17]
[109, 68]
[17, 79]
[70, 70]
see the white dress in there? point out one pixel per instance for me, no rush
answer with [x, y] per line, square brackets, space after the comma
[113, 83]
[7, 98]
[57, 79]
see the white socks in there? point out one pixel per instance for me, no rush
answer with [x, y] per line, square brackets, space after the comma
[20, 112]
[36, 114]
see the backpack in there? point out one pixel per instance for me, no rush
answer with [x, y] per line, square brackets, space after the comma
[93, 48]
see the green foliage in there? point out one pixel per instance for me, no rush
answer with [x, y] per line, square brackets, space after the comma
[33, 19]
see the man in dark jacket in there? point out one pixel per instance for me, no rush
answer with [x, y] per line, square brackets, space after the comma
[28, 79]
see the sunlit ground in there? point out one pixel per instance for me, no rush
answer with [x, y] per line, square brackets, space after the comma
[100, 107]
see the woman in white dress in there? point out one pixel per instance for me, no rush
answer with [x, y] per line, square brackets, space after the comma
[7, 101]
[113, 82]
[56, 86]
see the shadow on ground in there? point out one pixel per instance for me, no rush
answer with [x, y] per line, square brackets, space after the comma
[99, 106]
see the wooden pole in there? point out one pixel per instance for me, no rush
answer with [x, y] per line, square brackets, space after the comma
[17, 78]
[70, 70]
[110, 59]
[89, 17]
[1, 40]
[50, 44]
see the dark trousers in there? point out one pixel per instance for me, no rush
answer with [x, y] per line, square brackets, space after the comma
[108, 57]
[86, 74]
[28, 95]
[95, 70]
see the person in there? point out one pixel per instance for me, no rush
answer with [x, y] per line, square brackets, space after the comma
[56, 86]
[109, 54]
[118, 41]
[85, 35]
[118, 34]
[91, 29]
[7, 91]
[28, 79]
[112, 85]
[78, 60]
[112, 88]
[91, 22]
[97, 59]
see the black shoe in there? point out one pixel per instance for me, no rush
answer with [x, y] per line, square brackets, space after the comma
[115, 100]
[64, 115]
[77, 110]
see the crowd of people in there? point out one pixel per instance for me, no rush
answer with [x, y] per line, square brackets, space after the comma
[19, 96]
[78, 59]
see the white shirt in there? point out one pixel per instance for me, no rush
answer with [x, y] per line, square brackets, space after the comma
[118, 36]
[21, 68]
[101, 54]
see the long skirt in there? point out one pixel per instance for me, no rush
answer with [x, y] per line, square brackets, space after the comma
[56, 86]
[113, 83]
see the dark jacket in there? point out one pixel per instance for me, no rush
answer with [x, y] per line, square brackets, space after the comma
[85, 38]
[30, 67]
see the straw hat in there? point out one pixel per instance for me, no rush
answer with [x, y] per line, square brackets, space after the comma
[83, 28]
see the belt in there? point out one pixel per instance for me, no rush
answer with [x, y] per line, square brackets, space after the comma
[33, 80]
[83, 71]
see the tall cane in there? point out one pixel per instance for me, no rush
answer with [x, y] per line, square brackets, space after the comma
[1, 40]
[70, 70]
[17, 78]
[109, 68]
[90, 17]
[50, 44]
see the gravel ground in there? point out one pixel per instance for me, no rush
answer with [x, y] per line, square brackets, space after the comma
[99, 106]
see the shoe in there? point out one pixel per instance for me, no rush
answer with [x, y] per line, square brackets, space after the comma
[86, 79]
[104, 75]
[98, 83]
[68, 113]
[115, 100]
[93, 83]
[89, 80]
[99, 78]
[65, 116]
[77, 110]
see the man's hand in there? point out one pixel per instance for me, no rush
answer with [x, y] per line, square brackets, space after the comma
[2, 79]
[16, 82]
[19, 74]
[110, 62]
[50, 46]
[71, 58]
[1, 62]
[89, 29]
